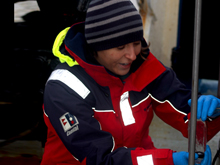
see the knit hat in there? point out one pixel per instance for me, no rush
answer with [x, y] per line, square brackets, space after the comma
[112, 23]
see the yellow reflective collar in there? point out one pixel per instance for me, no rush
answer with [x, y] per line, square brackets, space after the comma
[56, 49]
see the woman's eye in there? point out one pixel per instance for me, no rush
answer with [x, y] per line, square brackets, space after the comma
[137, 43]
[121, 47]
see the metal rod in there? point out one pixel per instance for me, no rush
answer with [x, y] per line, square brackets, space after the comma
[218, 78]
[195, 73]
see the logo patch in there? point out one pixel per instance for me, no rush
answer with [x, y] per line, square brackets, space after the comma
[68, 121]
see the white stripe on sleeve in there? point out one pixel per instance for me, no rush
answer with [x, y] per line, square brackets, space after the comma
[71, 81]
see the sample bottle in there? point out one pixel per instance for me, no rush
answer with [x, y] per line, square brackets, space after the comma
[201, 139]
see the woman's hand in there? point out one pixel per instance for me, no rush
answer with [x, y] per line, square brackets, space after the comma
[182, 158]
[207, 105]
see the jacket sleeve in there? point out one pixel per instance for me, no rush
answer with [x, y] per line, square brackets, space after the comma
[170, 103]
[72, 118]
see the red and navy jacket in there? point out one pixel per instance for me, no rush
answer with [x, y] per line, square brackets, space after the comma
[94, 117]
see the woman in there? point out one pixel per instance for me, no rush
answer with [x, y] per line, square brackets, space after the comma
[99, 101]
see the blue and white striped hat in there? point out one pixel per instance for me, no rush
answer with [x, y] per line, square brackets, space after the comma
[112, 23]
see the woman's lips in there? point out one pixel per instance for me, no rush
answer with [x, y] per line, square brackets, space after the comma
[125, 65]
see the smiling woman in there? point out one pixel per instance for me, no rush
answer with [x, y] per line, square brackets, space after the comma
[118, 60]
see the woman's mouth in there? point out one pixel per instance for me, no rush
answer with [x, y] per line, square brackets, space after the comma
[125, 65]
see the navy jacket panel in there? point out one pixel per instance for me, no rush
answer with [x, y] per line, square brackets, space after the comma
[168, 87]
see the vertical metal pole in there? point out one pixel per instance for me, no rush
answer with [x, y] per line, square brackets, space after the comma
[195, 73]
[218, 95]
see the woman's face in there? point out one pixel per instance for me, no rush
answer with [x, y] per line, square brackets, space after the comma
[118, 60]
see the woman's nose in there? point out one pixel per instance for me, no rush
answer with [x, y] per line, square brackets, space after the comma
[130, 53]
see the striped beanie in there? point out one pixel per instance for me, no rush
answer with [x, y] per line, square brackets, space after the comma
[112, 23]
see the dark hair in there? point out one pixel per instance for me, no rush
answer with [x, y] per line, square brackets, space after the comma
[145, 52]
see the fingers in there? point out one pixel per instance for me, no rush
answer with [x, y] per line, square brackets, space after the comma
[210, 103]
[180, 158]
[186, 158]
[208, 150]
[189, 102]
[213, 106]
[208, 157]
[199, 107]
[206, 106]
[196, 156]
